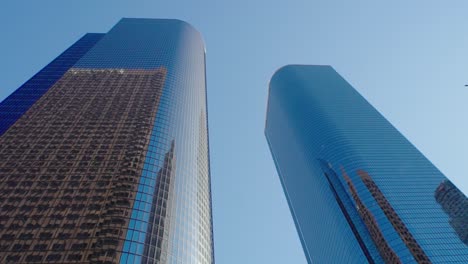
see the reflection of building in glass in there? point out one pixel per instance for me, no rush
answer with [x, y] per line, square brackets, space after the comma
[96, 172]
[314, 114]
[455, 204]
[387, 253]
[346, 207]
[15, 105]
[88, 150]
[157, 239]
[392, 216]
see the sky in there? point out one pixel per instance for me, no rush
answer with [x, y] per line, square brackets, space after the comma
[408, 58]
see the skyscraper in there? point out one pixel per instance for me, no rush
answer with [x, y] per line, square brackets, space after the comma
[358, 190]
[104, 153]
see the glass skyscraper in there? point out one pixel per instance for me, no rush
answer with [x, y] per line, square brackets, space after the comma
[358, 190]
[104, 154]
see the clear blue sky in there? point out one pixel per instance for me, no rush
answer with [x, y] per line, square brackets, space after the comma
[408, 58]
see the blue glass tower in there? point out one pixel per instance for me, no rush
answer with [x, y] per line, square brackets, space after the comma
[104, 154]
[358, 190]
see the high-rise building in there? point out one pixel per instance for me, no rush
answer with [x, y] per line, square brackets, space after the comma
[358, 190]
[104, 154]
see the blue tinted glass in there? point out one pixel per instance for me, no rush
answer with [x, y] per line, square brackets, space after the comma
[171, 217]
[357, 189]
[121, 139]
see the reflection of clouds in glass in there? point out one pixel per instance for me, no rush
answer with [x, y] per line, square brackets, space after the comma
[455, 204]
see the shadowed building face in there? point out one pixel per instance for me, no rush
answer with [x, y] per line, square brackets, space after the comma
[358, 191]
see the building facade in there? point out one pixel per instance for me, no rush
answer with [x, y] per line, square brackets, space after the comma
[358, 190]
[104, 153]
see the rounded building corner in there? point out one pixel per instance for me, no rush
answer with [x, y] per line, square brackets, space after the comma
[192, 28]
[279, 71]
[288, 68]
[177, 23]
